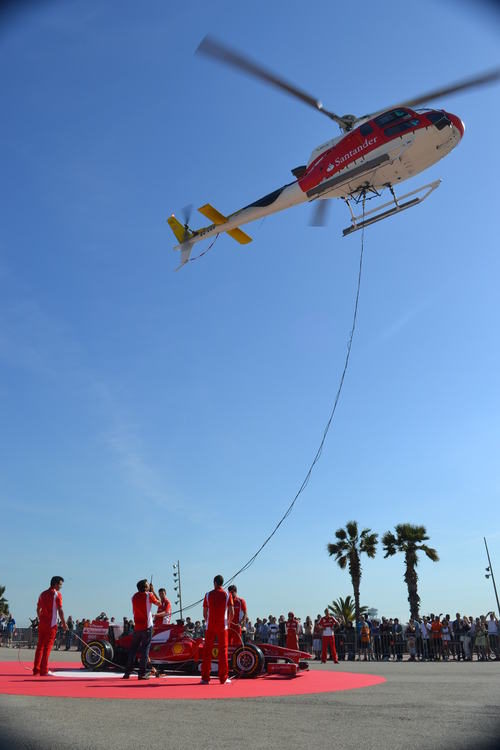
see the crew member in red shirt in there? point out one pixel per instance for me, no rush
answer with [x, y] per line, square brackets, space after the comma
[143, 627]
[48, 607]
[327, 624]
[217, 610]
[292, 632]
[238, 619]
[164, 613]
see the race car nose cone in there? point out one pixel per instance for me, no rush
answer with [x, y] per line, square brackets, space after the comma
[457, 122]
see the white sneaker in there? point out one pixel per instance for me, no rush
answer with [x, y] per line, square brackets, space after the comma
[226, 682]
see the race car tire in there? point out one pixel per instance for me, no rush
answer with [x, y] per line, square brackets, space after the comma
[95, 653]
[247, 661]
[303, 665]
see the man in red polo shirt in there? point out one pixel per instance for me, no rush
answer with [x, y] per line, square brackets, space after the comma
[217, 610]
[164, 613]
[238, 619]
[327, 624]
[48, 608]
[143, 628]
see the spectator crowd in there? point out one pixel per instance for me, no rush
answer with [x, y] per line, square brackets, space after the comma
[429, 638]
[7, 629]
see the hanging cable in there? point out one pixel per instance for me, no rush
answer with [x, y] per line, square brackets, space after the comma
[328, 424]
[197, 257]
[325, 431]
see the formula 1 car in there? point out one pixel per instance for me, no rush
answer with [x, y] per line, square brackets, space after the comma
[172, 649]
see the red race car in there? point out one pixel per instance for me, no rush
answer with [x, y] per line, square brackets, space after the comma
[172, 649]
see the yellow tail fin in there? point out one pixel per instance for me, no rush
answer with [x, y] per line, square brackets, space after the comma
[181, 232]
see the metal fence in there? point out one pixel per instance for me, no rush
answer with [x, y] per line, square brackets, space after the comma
[27, 638]
[385, 646]
[389, 646]
[21, 637]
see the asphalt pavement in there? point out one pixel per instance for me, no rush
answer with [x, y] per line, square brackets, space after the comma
[428, 706]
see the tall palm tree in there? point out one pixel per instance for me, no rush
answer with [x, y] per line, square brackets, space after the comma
[4, 606]
[409, 540]
[344, 609]
[347, 550]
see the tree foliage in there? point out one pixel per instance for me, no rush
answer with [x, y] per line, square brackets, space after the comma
[345, 608]
[4, 605]
[409, 540]
[347, 550]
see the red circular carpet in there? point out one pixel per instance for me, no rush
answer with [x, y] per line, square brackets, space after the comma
[70, 681]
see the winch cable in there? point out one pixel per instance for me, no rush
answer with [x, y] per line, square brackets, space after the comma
[325, 432]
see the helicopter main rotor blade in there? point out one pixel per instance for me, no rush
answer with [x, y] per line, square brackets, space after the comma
[212, 48]
[483, 79]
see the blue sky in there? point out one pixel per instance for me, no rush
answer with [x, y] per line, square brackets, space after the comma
[149, 416]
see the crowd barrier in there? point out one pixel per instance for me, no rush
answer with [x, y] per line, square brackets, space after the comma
[382, 647]
[396, 646]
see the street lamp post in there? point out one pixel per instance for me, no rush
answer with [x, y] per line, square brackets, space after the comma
[177, 585]
[489, 572]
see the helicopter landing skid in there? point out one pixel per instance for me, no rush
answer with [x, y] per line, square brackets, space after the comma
[358, 222]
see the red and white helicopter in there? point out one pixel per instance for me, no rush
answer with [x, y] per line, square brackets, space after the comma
[374, 152]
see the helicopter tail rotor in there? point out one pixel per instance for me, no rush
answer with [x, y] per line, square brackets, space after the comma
[182, 231]
[186, 216]
[183, 234]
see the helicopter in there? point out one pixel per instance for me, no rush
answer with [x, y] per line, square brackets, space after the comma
[374, 153]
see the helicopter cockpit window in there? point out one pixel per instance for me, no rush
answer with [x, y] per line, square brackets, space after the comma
[401, 126]
[434, 115]
[366, 129]
[387, 117]
[438, 118]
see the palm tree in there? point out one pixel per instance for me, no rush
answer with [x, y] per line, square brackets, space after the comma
[4, 606]
[344, 609]
[348, 549]
[409, 540]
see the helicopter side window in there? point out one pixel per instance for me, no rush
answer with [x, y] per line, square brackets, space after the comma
[366, 129]
[401, 126]
[387, 117]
